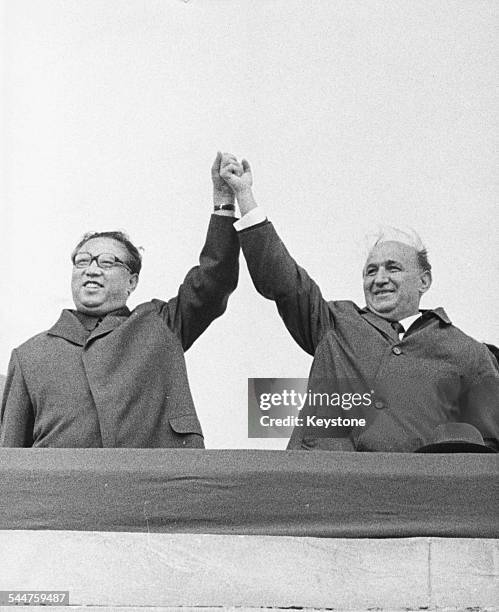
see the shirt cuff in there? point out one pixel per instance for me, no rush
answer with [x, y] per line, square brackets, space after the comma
[254, 217]
[224, 213]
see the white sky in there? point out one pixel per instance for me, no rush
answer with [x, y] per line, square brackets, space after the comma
[352, 113]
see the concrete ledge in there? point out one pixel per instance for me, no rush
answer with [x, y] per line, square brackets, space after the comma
[165, 571]
[232, 609]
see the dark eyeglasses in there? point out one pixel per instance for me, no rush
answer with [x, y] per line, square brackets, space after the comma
[106, 261]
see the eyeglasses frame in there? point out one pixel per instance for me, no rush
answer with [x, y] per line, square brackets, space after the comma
[117, 261]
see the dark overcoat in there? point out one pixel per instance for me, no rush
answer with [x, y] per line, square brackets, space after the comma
[126, 384]
[434, 375]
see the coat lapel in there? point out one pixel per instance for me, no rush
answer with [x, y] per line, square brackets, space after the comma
[110, 322]
[69, 328]
[380, 324]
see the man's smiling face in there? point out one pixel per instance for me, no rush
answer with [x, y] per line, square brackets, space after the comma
[97, 291]
[394, 281]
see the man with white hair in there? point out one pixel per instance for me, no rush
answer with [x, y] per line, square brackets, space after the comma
[414, 368]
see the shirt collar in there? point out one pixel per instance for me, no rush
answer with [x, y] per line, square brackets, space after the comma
[408, 321]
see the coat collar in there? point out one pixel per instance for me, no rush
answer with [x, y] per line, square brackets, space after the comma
[438, 312]
[70, 328]
[384, 326]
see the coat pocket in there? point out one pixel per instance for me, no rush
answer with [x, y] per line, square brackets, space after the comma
[189, 430]
[187, 423]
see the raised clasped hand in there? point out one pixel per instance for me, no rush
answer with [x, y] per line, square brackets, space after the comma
[236, 174]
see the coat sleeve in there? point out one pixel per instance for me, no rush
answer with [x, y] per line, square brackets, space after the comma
[203, 295]
[278, 277]
[16, 413]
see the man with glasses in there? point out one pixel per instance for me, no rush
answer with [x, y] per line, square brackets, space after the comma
[104, 376]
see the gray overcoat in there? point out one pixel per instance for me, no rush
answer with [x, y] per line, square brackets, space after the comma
[434, 375]
[126, 384]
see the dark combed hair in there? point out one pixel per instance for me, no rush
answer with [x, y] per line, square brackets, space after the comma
[423, 261]
[135, 258]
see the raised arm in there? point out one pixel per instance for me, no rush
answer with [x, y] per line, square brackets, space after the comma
[274, 272]
[203, 295]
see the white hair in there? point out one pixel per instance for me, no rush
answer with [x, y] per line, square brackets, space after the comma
[387, 233]
[407, 235]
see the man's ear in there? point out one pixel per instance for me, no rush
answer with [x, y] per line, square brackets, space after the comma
[133, 281]
[424, 282]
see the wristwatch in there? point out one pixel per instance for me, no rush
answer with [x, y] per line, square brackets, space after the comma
[224, 207]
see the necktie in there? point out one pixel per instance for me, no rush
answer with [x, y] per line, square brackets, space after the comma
[398, 327]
